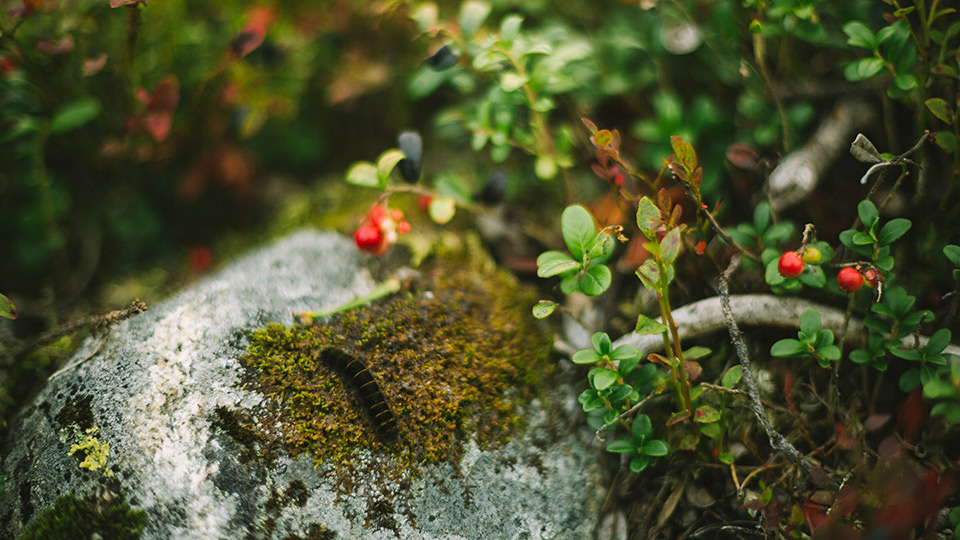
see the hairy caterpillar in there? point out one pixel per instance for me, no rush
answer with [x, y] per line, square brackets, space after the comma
[371, 398]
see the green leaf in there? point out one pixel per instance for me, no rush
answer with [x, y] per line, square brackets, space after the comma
[510, 28]
[952, 253]
[551, 263]
[694, 353]
[648, 217]
[648, 274]
[641, 428]
[772, 273]
[909, 380]
[705, 414]
[363, 173]
[830, 352]
[601, 342]
[670, 246]
[868, 213]
[7, 309]
[863, 239]
[788, 348]
[810, 322]
[586, 356]
[442, 210]
[543, 309]
[905, 81]
[511, 81]
[860, 356]
[938, 342]
[725, 457]
[604, 378]
[74, 114]
[858, 35]
[579, 230]
[472, 15]
[863, 69]
[655, 448]
[648, 327]
[937, 389]
[940, 109]
[732, 377]
[621, 446]
[595, 280]
[813, 277]
[639, 463]
[385, 164]
[762, 216]
[684, 152]
[946, 140]
[625, 352]
[711, 430]
[893, 230]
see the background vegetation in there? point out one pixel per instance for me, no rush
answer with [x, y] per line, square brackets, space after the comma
[141, 144]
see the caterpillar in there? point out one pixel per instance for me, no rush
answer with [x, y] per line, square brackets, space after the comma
[371, 398]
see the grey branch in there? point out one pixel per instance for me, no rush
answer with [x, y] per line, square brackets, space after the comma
[798, 174]
[757, 310]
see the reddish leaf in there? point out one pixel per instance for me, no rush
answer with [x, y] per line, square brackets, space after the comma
[200, 258]
[846, 501]
[120, 3]
[844, 440]
[819, 476]
[693, 370]
[816, 515]
[890, 448]
[590, 125]
[166, 96]
[158, 124]
[911, 416]
[92, 66]
[700, 248]
[56, 47]
[664, 201]
[788, 380]
[742, 156]
[875, 422]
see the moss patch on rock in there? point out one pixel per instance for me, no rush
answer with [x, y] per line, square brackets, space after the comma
[104, 514]
[455, 355]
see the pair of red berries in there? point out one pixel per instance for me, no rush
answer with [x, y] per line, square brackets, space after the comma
[849, 280]
[380, 230]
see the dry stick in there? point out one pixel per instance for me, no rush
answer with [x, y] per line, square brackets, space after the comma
[96, 322]
[777, 440]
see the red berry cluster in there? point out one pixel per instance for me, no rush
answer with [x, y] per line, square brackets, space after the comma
[380, 230]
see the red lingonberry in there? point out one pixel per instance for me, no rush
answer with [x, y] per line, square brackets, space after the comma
[790, 265]
[701, 247]
[377, 214]
[812, 255]
[873, 277]
[849, 279]
[368, 237]
[403, 227]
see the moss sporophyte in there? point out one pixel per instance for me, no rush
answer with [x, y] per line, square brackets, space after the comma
[452, 357]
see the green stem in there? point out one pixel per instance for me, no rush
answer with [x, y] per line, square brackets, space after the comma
[676, 353]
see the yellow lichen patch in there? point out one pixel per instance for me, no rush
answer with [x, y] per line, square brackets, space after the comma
[455, 356]
[95, 454]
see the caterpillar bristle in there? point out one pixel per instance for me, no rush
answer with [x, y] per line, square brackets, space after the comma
[368, 390]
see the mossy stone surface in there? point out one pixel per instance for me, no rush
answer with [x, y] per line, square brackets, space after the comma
[200, 438]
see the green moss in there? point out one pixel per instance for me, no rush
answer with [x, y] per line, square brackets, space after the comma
[101, 515]
[455, 355]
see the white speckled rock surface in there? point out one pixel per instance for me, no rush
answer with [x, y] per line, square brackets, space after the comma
[153, 386]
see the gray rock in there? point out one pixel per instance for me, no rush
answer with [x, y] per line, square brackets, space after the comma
[153, 384]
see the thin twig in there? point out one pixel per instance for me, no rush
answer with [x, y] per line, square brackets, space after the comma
[777, 440]
[96, 322]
